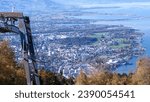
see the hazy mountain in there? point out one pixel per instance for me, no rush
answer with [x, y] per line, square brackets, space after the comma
[47, 5]
[28, 5]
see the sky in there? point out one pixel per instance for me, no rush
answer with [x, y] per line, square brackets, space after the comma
[97, 1]
[26, 5]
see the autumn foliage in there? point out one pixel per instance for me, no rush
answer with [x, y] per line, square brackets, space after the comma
[11, 73]
[142, 74]
[140, 77]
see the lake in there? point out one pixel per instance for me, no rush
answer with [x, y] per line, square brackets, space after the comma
[135, 15]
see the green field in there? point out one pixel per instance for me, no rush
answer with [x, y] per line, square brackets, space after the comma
[120, 46]
[99, 36]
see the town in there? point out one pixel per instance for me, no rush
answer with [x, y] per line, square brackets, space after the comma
[68, 45]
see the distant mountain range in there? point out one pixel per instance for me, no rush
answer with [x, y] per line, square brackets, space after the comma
[51, 5]
[29, 5]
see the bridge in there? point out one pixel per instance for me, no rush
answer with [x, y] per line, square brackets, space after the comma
[16, 22]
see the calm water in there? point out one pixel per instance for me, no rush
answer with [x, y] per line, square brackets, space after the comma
[136, 16]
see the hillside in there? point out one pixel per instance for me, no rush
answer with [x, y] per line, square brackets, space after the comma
[11, 73]
[140, 77]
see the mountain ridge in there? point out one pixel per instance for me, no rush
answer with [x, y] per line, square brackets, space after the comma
[28, 5]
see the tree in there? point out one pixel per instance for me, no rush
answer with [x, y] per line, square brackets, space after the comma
[10, 72]
[13, 73]
[142, 74]
[81, 79]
